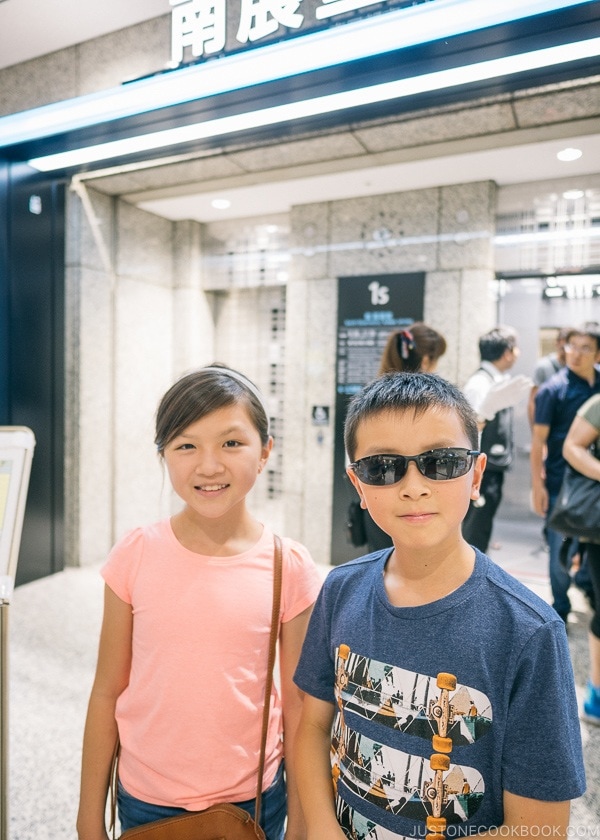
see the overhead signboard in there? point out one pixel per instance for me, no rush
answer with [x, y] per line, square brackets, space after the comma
[242, 69]
[201, 29]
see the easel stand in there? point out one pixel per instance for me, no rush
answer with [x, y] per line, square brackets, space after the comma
[16, 451]
[4, 719]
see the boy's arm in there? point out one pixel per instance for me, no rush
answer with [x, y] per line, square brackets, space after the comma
[291, 638]
[539, 493]
[313, 767]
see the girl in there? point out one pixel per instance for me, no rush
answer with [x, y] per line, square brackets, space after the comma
[412, 349]
[183, 647]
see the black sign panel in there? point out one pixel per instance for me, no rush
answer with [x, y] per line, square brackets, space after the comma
[369, 308]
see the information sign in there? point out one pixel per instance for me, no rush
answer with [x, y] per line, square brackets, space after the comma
[369, 308]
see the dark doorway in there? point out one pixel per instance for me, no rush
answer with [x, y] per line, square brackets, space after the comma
[369, 308]
[32, 369]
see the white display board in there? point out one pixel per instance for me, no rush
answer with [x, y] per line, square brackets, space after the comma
[16, 452]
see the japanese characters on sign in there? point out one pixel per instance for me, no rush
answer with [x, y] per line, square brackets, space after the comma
[203, 28]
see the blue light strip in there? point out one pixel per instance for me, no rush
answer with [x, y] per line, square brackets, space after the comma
[452, 77]
[315, 51]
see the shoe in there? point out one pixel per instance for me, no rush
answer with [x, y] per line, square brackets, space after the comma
[591, 705]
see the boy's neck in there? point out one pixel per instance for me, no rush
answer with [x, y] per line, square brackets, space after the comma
[412, 579]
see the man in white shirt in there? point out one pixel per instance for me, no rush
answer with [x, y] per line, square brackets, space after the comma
[493, 393]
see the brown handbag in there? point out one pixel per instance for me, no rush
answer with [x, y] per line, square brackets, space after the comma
[219, 822]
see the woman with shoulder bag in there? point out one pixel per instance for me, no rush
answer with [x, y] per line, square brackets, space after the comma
[577, 450]
[183, 659]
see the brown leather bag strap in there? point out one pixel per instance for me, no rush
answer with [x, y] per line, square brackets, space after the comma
[112, 787]
[277, 575]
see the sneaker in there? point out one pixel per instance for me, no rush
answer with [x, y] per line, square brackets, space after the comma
[591, 705]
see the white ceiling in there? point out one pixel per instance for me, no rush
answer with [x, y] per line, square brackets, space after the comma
[30, 28]
[512, 165]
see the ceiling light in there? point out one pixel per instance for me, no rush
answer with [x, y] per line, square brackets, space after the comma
[569, 154]
[504, 240]
[220, 203]
[553, 292]
[439, 80]
[573, 195]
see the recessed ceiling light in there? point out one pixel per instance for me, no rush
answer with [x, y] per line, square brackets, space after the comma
[573, 195]
[221, 203]
[569, 154]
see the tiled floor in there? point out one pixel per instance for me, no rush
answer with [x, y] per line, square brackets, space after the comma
[54, 625]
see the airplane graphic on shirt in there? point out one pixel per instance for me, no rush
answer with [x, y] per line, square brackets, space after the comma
[434, 708]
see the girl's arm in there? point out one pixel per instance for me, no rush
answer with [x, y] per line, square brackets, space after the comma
[100, 735]
[575, 448]
[290, 644]
[313, 768]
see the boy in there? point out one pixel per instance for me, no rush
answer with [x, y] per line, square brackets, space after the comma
[440, 695]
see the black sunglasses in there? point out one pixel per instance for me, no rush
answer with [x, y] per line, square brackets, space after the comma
[437, 464]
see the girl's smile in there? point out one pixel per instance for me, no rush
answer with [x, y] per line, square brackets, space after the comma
[214, 462]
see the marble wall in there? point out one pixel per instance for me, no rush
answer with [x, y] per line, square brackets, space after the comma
[142, 310]
[136, 318]
[89, 67]
[446, 232]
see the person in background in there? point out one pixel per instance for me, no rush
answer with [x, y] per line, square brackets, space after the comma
[410, 349]
[583, 435]
[182, 662]
[492, 394]
[546, 367]
[415, 348]
[556, 405]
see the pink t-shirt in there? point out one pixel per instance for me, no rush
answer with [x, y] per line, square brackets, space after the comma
[190, 718]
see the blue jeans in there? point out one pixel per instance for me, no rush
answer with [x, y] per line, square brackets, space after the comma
[560, 579]
[134, 812]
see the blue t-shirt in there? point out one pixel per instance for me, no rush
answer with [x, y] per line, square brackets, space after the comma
[442, 707]
[556, 405]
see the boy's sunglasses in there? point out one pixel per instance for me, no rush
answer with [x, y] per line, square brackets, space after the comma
[437, 464]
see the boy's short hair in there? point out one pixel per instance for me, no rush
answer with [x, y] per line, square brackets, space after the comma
[405, 392]
[494, 344]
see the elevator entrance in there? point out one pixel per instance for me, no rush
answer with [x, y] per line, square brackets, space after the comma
[32, 371]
